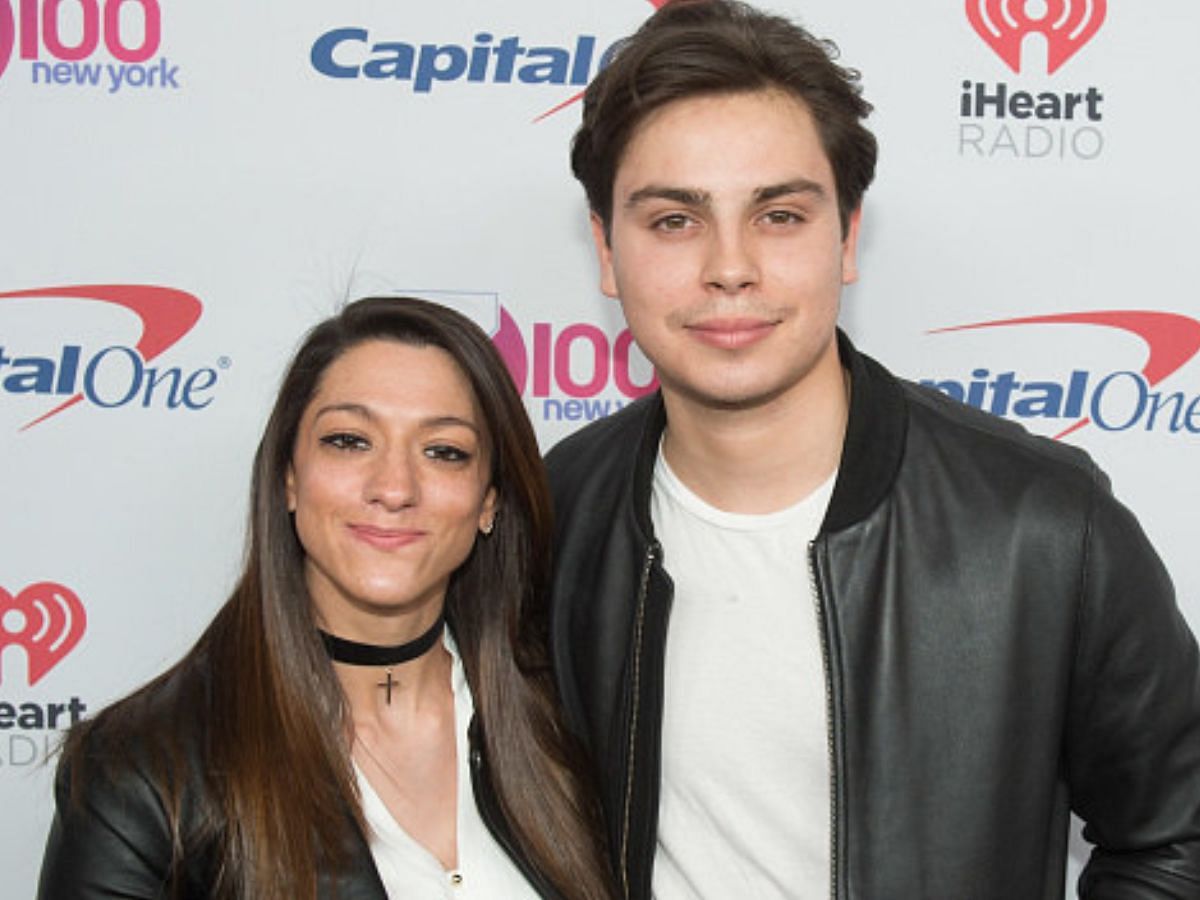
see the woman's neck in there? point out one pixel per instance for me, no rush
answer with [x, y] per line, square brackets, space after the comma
[389, 695]
[400, 670]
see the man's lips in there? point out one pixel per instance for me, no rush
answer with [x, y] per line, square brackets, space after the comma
[731, 333]
[386, 538]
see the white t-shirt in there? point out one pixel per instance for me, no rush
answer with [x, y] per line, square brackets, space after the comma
[745, 806]
[411, 872]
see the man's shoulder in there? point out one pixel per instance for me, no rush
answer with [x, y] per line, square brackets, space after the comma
[982, 438]
[615, 439]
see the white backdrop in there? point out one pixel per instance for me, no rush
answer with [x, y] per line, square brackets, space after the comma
[258, 164]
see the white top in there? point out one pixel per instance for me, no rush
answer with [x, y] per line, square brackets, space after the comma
[411, 872]
[745, 807]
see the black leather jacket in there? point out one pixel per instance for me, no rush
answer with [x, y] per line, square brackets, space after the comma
[1002, 646]
[116, 841]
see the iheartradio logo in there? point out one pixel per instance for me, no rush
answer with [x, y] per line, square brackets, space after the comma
[46, 620]
[1065, 24]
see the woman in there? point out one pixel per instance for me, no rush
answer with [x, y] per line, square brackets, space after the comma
[318, 741]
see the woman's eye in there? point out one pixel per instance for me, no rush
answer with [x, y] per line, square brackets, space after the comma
[447, 453]
[345, 441]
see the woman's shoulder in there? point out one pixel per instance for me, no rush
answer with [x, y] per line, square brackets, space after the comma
[144, 750]
[125, 790]
[170, 707]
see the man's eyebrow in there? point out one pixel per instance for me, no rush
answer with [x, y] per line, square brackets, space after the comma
[683, 196]
[795, 186]
[696, 198]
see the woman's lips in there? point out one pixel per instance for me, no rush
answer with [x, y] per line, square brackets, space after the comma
[386, 538]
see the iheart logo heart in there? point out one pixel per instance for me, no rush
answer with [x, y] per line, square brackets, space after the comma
[46, 619]
[1065, 24]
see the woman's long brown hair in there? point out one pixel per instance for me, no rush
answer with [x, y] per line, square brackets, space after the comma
[273, 718]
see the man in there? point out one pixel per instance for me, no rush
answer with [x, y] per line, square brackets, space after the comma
[828, 633]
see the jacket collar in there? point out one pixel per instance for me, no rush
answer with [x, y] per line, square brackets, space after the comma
[871, 452]
[874, 445]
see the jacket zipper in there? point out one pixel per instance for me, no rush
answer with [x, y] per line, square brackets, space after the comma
[831, 750]
[638, 630]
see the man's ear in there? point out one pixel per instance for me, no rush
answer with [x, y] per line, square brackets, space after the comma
[850, 248]
[608, 279]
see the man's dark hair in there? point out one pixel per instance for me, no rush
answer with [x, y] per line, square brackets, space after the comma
[694, 48]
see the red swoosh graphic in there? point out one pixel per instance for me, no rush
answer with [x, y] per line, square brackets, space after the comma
[552, 110]
[167, 315]
[1171, 339]
[657, 4]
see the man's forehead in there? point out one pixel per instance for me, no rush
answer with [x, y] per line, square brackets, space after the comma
[749, 141]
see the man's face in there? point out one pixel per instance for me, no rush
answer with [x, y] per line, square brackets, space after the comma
[726, 249]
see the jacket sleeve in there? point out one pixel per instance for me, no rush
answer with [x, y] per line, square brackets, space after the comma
[112, 840]
[1133, 742]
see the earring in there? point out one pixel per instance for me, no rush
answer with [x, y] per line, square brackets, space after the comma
[487, 526]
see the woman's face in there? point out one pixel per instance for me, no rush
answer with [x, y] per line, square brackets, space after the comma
[389, 483]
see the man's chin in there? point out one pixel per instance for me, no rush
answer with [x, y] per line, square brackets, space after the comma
[728, 397]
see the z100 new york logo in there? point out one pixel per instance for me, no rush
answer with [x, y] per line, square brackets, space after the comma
[573, 373]
[43, 622]
[43, 379]
[576, 372]
[1009, 120]
[106, 45]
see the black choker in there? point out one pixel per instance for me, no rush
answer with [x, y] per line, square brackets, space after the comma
[356, 654]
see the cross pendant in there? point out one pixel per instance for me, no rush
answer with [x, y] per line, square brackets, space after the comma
[386, 684]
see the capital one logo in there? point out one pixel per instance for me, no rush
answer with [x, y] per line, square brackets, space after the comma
[1123, 398]
[1065, 24]
[46, 620]
[117, 375]
[131, 30]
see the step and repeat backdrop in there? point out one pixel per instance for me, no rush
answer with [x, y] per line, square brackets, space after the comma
[187, 187]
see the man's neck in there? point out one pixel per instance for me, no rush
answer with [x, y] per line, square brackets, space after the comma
[763, 458]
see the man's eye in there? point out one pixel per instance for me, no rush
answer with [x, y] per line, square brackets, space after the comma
[673, 222]
[345, 441]
[782, 217]
[447, 453]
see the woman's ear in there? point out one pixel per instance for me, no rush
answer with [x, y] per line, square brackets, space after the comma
[488, 511]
